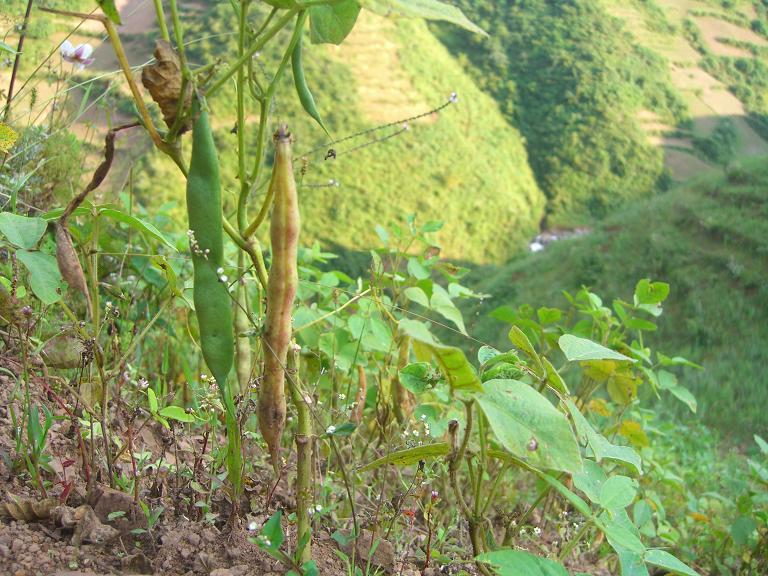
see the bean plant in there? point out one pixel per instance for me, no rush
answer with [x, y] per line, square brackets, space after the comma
[378, 390]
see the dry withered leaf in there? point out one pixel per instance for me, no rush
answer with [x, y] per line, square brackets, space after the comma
[63, 351]
[26, 509]
[163, 80]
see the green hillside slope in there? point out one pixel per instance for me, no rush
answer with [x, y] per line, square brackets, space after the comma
[466, 165]
[709, 240]
[573, 80]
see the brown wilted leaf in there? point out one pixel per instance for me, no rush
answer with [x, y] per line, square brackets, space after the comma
[63, 351]
[26, 509]
[69, 263]
[163, 80]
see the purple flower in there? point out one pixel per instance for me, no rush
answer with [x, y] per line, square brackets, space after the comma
[80, 55]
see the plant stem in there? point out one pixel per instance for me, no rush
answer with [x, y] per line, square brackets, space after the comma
[161, 20]
[303, 455]
[255, 47]
[574, 541]
[242, 344]
[242, 212]
[17, 59]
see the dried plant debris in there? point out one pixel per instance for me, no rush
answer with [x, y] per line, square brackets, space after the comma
[163, 79]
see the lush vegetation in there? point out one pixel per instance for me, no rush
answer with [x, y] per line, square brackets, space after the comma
[708, 240]
[573, 80]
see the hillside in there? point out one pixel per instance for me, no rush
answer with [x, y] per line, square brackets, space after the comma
[466, 165]
[709, 240]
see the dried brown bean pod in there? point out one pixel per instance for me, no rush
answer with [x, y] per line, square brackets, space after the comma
[362, 390]
[163, 79]
[281, 291]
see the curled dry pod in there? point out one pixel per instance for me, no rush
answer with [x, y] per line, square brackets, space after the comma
[164, 81]
[281, 291]
[69, 263]
[26, 509]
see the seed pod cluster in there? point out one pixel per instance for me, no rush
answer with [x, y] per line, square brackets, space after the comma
[281, 291]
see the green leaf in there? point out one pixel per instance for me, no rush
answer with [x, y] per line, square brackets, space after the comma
[632, 564]
[176, 413]
[417, 269]
[621, 539]
[44, 276]
[22, 231]
[409, 456]
[458, 371]
[486, 353]
[590, 480]
[7, 49]
[600, 445]
[742, 530]
[520, 340]
[152, 397]
[578, 349]
[685, 396]
[762, 444]
[428, 9]
[271, 536]
[529, 426]
[554, 379]
[331, 24]
[137, 224]
[665, 560]
[618, 492]
[549, 315]
[518, 563]
[647, 292]
[110, 10]
[442, 304]
[416, 294]
[417, 377]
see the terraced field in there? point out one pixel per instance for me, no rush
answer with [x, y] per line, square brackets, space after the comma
[660, 27]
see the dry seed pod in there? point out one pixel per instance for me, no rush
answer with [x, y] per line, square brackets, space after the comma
[27, 510]
[281, 291]
[69, 263]
[163, 80]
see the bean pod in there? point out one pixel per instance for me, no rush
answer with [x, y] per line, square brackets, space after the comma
[281, 291]
[302, 88]
[213, 303]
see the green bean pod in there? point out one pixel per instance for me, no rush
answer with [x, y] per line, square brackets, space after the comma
[281, 291]
[302, 89]
[213, 303]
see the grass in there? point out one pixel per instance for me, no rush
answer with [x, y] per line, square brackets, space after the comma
[709, 240]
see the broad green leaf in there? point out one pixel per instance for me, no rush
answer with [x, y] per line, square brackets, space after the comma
[271, 536]
[549, 315]
[554, 379]
[529, 426]
[442, 304]
[685, 396]
[618, 492]
[622, 539]
[665, 560]
[742, 530]
[330, 24]
[417, 377]
[416, 294]
[522, 343]
[600, 445]
[632, 564]
[485, 353]
[417, 269]
[409, 456]
[152, 398]
[578, 349]
[762, 444]
[44, 276]
[137, 224]
[590, 480]
[647, 292]
[518, 563]
[22, 231]
[458, 371]
[428, 9]
[176, 413]
[110, 10]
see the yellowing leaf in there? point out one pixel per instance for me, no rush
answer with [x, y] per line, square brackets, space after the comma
[8, 137]
[599, 406]
[634, 432]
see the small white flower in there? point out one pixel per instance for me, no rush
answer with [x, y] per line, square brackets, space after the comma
[219, 270]
[537, 530]
[318, 508]
[423, 417]
[416, 433]
[514, 523]
[252, 525]
[330, 430]
[224, 278]
[453, 98]
[143, 383]
[522, 532]
[310, 511]
[79, 55]
[342, 397]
